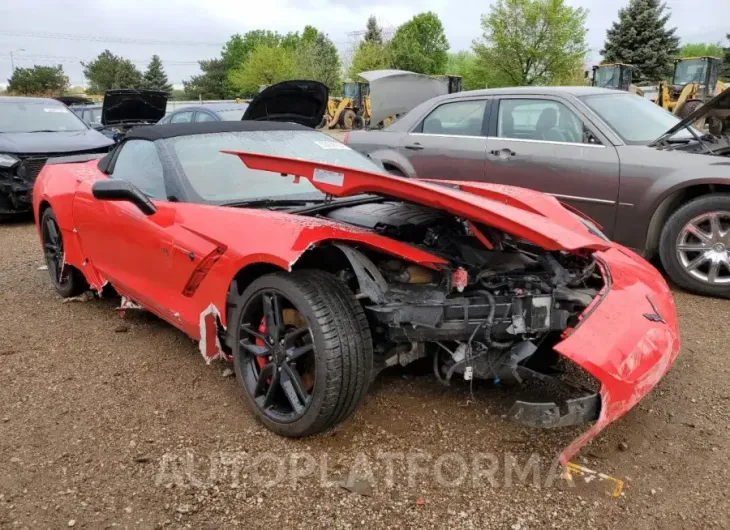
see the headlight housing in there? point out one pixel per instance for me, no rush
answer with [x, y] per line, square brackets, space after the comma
[8, 160]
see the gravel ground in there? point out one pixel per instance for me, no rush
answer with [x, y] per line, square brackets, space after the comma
[119, 423]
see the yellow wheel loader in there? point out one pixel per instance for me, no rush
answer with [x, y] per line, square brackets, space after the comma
[352, 111]
[618, 76]
[695, 81]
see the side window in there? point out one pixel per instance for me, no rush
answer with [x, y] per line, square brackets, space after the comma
[204, 116]
[461, 118]
[538, 119]
[138, 163]
[182, 117]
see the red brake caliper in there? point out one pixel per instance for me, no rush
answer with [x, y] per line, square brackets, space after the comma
[262, 361]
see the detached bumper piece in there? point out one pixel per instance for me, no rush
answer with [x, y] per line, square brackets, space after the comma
[16, 186]
[548, 415]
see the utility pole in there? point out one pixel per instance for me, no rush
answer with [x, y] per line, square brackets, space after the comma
[12, 61]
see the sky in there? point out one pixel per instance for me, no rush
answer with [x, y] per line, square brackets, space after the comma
[181, 32]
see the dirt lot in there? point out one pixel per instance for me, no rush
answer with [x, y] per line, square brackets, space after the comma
[119, 423]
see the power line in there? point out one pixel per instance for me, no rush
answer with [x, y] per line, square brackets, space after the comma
[120, 40]
[68, 60]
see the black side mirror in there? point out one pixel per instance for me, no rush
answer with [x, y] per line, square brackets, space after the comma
[121, 190]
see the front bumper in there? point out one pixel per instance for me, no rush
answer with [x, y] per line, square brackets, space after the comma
[620, 341]
[15, 194]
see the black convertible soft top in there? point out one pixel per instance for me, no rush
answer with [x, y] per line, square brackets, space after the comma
[172, 130]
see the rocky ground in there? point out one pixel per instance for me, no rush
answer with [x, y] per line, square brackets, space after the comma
[119, 423]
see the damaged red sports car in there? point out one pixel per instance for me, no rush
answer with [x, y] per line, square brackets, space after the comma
[311, 268]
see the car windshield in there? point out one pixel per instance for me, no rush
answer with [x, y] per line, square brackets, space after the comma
[635, 119]
[690, 71]
[222, 178]
[37, 116]
[232, 114]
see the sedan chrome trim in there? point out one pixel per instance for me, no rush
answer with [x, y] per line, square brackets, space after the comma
[582, 199]
[525, 140]
[448, 135]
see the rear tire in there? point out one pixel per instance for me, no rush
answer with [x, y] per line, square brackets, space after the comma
[347, 119]
[335, 372]
[689, 107]
[695, 255]
[67, 280]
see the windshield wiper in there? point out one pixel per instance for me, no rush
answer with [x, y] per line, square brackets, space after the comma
[42, 130]
[257, 203]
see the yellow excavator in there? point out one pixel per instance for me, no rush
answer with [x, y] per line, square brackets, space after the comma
[695, 81]
[618, 76]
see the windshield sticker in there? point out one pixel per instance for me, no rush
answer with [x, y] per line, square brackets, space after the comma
[328, 177]
[330, 144]
[59, 110]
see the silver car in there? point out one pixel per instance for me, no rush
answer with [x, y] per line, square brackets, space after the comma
[595, 150]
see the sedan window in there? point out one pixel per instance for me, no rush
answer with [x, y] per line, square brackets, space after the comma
[139, 164]
[460, 118]
[538, 119]
[182, 117]
[204, 116]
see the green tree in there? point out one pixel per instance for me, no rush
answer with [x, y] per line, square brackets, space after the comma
[466, 64]
[373, 33]
[111, 71]
[701, 49]
[211, 84]
[726, 61]
[531, 42]
[265, 65]
[317, 58]
[420, 45]
[39, 80]
[155, 78]
[369, 56]
[641, 38]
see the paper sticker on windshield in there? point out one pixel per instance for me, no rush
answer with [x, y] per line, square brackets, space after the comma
[330, 144]
[60, 110]
[328, 177]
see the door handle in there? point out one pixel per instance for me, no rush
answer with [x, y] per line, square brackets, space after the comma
[503, 153]
[415, 147]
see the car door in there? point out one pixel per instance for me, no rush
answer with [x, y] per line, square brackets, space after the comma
[202, 115]
[182, 117]
[129, 248]
[450, 141]
[547, 144]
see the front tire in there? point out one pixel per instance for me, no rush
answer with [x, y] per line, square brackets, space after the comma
[302, 351]
[694, 246]
[67, 280]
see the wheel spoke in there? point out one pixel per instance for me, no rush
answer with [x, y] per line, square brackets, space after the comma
[294, 353]
[273, 385]
[293, 387]
[692, 247]
[294, 335]
[248, 329]
[265, 373]
[699, 234]
[715, 228]
[699, 260]
[255, 349]
[273, 315]
[713, 272]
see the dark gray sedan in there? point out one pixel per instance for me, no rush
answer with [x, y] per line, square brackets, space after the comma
[593, 149]
[207, 112]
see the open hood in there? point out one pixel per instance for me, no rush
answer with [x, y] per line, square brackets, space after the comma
[525, 214]
[129, 106]
[718, 107]
[302, 102]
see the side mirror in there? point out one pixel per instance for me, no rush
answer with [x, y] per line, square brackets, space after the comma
[121, 190]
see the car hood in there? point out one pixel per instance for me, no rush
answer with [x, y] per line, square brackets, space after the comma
[302, 102]
[122, 106]
[718, 106]
[52, 142]
[525, 214]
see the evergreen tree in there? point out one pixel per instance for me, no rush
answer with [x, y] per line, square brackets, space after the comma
[641, 38]
[373, 34]
[155, 77]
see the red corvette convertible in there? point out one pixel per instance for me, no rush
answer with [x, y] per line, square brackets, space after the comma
[311, 268]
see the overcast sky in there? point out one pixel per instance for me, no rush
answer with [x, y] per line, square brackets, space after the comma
[205, 25]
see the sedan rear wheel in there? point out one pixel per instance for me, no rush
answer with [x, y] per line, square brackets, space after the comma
[302, 351]
[695, 246]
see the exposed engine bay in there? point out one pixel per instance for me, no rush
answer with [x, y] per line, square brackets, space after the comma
[494, 313]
